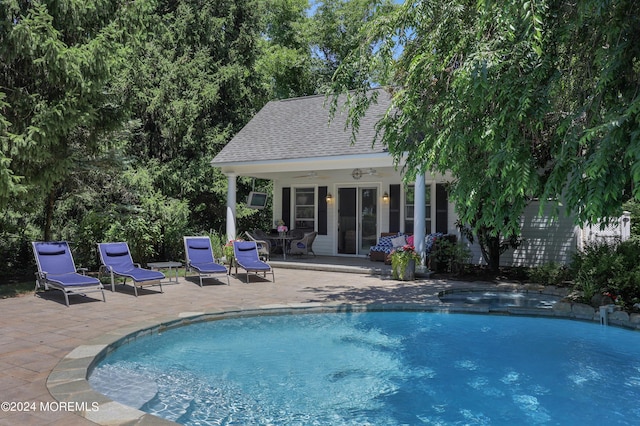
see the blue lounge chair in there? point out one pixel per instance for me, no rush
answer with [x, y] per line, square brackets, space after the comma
[57, 270]
[199, 257]
[116, 260]
[246, 256]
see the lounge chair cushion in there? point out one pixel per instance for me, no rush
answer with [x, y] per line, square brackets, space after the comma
[250, 262]
[56, 269]
[73, 280]
[117, 258]
[208, 268]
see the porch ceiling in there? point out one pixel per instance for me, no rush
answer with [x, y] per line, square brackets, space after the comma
[317, 167]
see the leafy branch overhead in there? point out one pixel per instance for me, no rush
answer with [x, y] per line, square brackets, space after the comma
[512, 100]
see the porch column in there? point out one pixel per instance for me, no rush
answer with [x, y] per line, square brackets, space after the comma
[419, 215]
[231, 206]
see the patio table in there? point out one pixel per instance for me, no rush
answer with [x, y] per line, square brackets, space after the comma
[169, 265]
[285, 240]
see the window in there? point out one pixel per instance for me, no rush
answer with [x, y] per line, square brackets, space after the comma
[409, 203]
[305, 209]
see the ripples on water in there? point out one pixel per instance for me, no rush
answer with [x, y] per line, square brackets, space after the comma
[380, 369]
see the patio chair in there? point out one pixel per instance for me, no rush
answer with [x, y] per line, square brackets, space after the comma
[57, 270]
[116, 260]
[264, 246]
[303, 245]
[199, 257]
[274, 243]
[246, 256]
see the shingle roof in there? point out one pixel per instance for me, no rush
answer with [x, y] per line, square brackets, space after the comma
[300, 128]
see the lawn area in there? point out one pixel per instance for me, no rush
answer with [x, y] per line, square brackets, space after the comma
[16, 289]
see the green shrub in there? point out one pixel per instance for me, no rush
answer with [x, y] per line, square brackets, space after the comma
[448, 256]
[552, 273]
[218, 242]
[609, 268]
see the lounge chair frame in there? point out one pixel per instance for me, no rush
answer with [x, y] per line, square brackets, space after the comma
[199, 258]
[57, 270]
[117, 262]
[247, 257]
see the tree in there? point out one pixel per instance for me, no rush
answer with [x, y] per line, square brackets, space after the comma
[335, 30]
[56, 58]
[192, 86]
[463, 106]
[483, 91]
[285, 62]
[305, 42]
[597, 149]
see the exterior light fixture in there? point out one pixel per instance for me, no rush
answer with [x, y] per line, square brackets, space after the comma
[329, 198]
[385, 197]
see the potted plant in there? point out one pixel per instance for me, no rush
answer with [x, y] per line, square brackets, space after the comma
[281, 227]
[227, 253]
[403, 263]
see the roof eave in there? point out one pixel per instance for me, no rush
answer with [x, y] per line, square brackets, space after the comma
[330, 162]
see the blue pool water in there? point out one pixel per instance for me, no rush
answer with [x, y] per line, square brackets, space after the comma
[502, 299]
[381, 368]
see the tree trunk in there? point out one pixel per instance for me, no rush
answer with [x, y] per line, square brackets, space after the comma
[48, 214]
[491, 250]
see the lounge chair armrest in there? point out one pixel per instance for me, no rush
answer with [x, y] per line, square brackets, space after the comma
[265, 243]
[83, 270]
[104, 268]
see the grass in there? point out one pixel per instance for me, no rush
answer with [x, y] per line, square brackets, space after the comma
[16, 289]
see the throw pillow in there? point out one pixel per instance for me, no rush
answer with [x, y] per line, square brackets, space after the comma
[399, 241]
[385, 242]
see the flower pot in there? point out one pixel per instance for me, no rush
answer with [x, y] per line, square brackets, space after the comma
[408, 273]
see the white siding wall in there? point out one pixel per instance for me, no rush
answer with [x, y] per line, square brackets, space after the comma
[545, 240]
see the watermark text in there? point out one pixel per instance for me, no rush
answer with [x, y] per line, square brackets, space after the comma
[51, 406]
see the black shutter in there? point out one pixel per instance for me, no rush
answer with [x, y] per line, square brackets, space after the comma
[286, 207]
[442, 208]
[322, 210]
[394, 208]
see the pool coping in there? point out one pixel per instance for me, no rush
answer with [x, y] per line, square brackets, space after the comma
[68, 381]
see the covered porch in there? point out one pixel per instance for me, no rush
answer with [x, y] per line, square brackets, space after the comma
[345, 264]
[347, 191]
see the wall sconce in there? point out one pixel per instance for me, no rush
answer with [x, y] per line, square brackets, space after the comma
[385, 197]
[329, 198]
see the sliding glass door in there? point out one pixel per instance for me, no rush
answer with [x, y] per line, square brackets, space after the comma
[357, 219]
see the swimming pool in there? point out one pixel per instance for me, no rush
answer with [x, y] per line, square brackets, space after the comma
[380, 368]
[501, 299]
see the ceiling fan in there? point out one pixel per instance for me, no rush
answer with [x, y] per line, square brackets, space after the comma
[373, 172]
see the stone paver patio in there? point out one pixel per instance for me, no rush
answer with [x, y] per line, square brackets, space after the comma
[39, 335]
